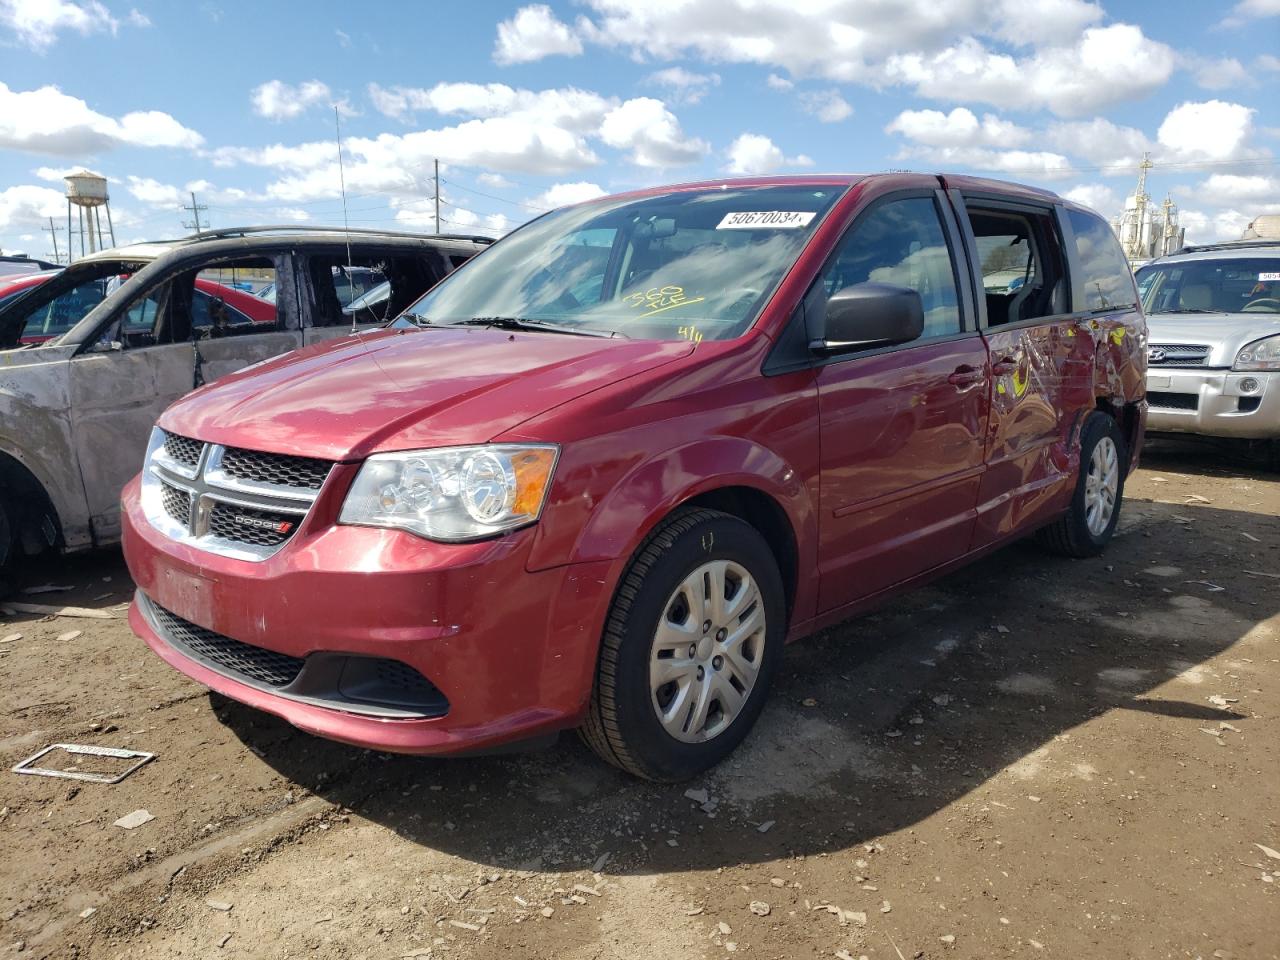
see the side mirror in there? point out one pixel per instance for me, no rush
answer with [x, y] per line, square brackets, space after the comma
[870, 315]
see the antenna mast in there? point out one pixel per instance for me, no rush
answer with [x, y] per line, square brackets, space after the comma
[346, 225]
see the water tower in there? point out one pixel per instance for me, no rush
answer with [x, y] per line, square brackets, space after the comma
[87, 192]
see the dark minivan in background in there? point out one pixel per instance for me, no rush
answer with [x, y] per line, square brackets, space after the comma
[600, 475]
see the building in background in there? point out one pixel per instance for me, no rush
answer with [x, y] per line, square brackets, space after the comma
[1265, 227]
[1147, 230]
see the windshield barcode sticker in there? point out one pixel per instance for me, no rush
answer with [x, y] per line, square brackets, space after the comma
[1262, 277]
[766, 220]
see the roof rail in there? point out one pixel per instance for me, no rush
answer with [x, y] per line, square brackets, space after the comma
[1230, 244]
[313, 228]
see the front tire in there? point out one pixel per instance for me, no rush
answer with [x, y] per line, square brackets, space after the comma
[690, 648]
[1089, 524]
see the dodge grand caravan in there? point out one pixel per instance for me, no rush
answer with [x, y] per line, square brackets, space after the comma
[600, 475]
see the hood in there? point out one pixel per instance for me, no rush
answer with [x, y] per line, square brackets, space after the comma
[407, 389]
[1223, 333]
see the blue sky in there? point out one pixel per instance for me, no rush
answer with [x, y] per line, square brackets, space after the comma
[531, 105]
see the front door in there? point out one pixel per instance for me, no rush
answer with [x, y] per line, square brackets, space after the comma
[192, 328]
[901, 428]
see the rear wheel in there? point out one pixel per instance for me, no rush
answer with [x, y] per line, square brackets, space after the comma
[689, 650]
[1089, 524]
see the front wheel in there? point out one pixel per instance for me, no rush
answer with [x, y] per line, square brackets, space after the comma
[689, 649]
[1089, 524]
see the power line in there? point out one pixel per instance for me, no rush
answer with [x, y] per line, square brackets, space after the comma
[490, 196]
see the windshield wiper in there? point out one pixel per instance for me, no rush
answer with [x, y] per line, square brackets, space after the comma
[1189, 310]
[524, 323]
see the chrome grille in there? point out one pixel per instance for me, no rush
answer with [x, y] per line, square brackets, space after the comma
[277, 469]
[177, 503]
[231, 521]
[238, 503]
[232, 656]
[183, 450]
[1177, 355]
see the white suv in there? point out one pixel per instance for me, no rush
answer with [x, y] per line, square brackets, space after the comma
[1213, 361]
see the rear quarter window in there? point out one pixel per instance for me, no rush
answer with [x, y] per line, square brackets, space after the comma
[1104, 280]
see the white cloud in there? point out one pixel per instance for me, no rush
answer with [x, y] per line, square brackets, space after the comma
[568, 107]
[777, 82]
[30, 205]
[685, 85]
[1207, 226]
[1247, 12]
[1213, 130]
[49, 121]
[753, 154]
[154, 193]
[1219, 74]
[1018, 164]
[1227, 189]
[401, 164]
[652, 133]
[344, 38]
[1100, 141]
[1104, 66]
[1043, 22]
[277, 100]
[827, 105]
[561, 194]
[137, 18]
[533, 33]
[1097, 196]
[959, 128]
[37, 23]
[495, 180]
[1269, 62]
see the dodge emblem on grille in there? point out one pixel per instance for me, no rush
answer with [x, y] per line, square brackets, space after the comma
[1155, 355]
[279, 526]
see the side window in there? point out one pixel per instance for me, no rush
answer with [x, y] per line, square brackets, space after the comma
[901, 242]
[372, 287]
[64, 311]
[217, 301]
[1106, 281]
[1020, 260]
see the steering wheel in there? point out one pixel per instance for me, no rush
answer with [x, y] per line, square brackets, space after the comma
[1272, 305]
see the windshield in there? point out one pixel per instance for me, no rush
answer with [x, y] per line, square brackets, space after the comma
[693, 264]
[1235, 285]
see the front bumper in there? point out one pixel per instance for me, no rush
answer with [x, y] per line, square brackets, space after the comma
[511, 652]
[1216, 403]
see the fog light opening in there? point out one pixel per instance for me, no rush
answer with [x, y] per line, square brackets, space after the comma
[1249, 385]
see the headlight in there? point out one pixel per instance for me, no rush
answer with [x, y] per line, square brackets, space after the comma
[1260, 355]
[453, 493]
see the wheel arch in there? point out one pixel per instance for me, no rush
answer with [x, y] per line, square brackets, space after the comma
[38, 527]
[731, 474]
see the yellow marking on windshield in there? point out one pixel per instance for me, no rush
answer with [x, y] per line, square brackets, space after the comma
[690, 333]
[659, 299]
[669, 306]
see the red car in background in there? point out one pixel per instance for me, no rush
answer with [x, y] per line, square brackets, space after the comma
[214, 303]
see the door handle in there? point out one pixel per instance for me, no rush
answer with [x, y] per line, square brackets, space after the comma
[965, 376]
[1004, 365]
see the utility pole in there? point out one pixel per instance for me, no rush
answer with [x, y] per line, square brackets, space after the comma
[437, 197]
[53, 232]
[195, 209]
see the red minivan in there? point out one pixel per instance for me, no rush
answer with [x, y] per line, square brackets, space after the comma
[599, 476]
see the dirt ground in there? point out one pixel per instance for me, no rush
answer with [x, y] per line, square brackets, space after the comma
[1034, 757]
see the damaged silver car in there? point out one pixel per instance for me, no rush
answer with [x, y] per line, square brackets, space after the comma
[92, 355]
